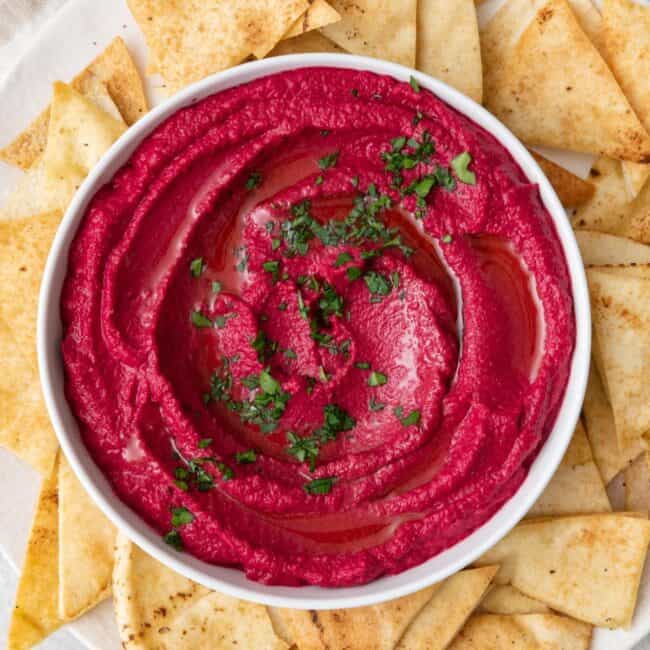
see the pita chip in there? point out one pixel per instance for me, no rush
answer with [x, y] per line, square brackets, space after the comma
[590, 20]
[576, 486]
[319, 14]
[638, 224]
[523, 632]
[601, 431]
[550, 85]
[637, 484]
[598, 248]
[377, 626]
[378, 28]
[36, 614]
[626, 30]
[157, 607]
[587, 566]
[621, 321]
[189, 39]
[312, 41]
[79, 133]
[86, 542]
[446, 612]
[571, 190]
[25, 426]
[115, 70]
[505, 599]
[448, 44]
[609, 209]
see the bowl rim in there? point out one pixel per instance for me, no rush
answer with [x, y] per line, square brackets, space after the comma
[232, 581]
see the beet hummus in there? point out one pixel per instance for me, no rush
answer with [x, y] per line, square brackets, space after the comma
[317, 327]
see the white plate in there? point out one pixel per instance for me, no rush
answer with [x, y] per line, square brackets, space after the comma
[71, 39]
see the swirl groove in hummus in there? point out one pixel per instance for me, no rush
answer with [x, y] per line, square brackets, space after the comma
[317, 327]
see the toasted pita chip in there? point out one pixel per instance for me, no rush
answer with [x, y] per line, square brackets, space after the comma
[621, 320]
[571, 190]
[576, 486]
[601, 431]
[309, 42]
[451, 605]
[377, 626]
[379, 28]
[158, 608]
[505, 599]
[638, 223]
[599, 248]
[319, 14]
[79, 133]
[189, 40]
[36, 614]
[448, 45]
[587, 566]
[26, 428]
[86, 543]
[626, 30]
[637, 484]
[115, 69]
[590, 20]
[523, 632]
[552, 87]
[608, 210]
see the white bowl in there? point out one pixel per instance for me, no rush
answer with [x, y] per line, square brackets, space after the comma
[233, 581]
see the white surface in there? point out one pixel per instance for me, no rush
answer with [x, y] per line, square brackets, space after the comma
[78, 33]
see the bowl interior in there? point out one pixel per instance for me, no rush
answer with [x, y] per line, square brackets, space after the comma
[233, 581]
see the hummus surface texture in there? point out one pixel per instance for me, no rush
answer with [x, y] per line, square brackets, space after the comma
[317, 327]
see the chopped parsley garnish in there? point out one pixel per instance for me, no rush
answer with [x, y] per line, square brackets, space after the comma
[204, 442]
[303, 449]
[375, 406]
[362, 365]
[302, 309]
[447, 239]
[282, 306]
[412, 418]
[173, 538]
[268, 384]
[329, 160]
[216, 286]
[290, 354]
[199, 319]
[320, 485]
[246, 457]
[335, 420]
[226, 472]
[220, 322]
[253, 181]
[377, 283]
[197, 266]
[181, 516]
[355, 92]
[353, 272]
[322, 375]
[272, 267]
[377, 379]
[354, 181]
[324, 132]
[417, 118]
[414, 84]
[460, 165]
[330, 302]
[264, 347]
[319, 180]
[343, 258]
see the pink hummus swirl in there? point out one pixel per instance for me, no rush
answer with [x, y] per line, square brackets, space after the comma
[317, 327]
